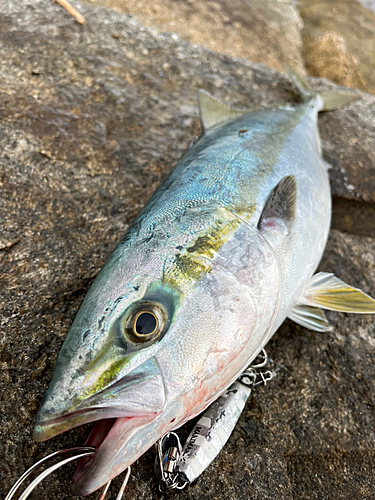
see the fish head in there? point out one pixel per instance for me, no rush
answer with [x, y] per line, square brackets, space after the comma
[163, 330]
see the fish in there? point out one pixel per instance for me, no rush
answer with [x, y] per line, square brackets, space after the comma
[224, 251]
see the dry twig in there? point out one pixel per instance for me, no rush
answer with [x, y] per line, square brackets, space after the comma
[77, 16]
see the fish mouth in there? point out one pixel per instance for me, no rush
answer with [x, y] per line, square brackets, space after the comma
[123, 414]
[109, 437]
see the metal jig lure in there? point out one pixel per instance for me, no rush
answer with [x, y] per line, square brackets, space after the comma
[177, 466]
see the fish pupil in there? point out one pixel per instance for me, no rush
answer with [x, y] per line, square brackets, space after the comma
[146, 324]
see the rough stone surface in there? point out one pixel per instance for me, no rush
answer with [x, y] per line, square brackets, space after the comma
[92, 118]
[264, 31]
[339, 41]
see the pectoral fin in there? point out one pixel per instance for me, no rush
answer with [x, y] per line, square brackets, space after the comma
[280, 208]
[312, 318]
[328, 292]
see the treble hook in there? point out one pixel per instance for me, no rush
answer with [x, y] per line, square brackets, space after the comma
[123, 486]
[86, 451]
[261, 354]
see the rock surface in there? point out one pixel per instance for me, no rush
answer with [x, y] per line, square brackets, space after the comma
[339, 41]
[92, 118]
[264, 31]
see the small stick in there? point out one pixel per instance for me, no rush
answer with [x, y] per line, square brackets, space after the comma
[77, 16]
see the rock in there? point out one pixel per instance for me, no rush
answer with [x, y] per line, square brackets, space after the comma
[266, 32]
[352, 160]
[328, 56]
[92, 118]
[353, 217]
[339, 41]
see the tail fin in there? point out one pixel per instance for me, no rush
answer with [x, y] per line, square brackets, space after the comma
[330, 100]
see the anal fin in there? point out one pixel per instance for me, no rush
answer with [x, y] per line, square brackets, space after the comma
[310, 317]
[328, 292]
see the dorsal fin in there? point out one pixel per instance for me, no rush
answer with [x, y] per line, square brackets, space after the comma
[213, 112]
[280, 207]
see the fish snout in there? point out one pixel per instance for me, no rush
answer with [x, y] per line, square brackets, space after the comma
[140, 393]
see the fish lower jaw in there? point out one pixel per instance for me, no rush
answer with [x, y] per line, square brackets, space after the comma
[109, 437]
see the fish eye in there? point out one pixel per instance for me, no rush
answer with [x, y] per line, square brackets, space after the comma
[144, 322]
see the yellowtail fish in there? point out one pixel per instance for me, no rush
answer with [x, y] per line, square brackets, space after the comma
[224, 251]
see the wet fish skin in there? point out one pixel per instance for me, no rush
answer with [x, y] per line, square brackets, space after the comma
[226, 262]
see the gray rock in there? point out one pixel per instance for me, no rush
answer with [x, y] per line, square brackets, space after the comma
[264, 31]
[92, 118]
